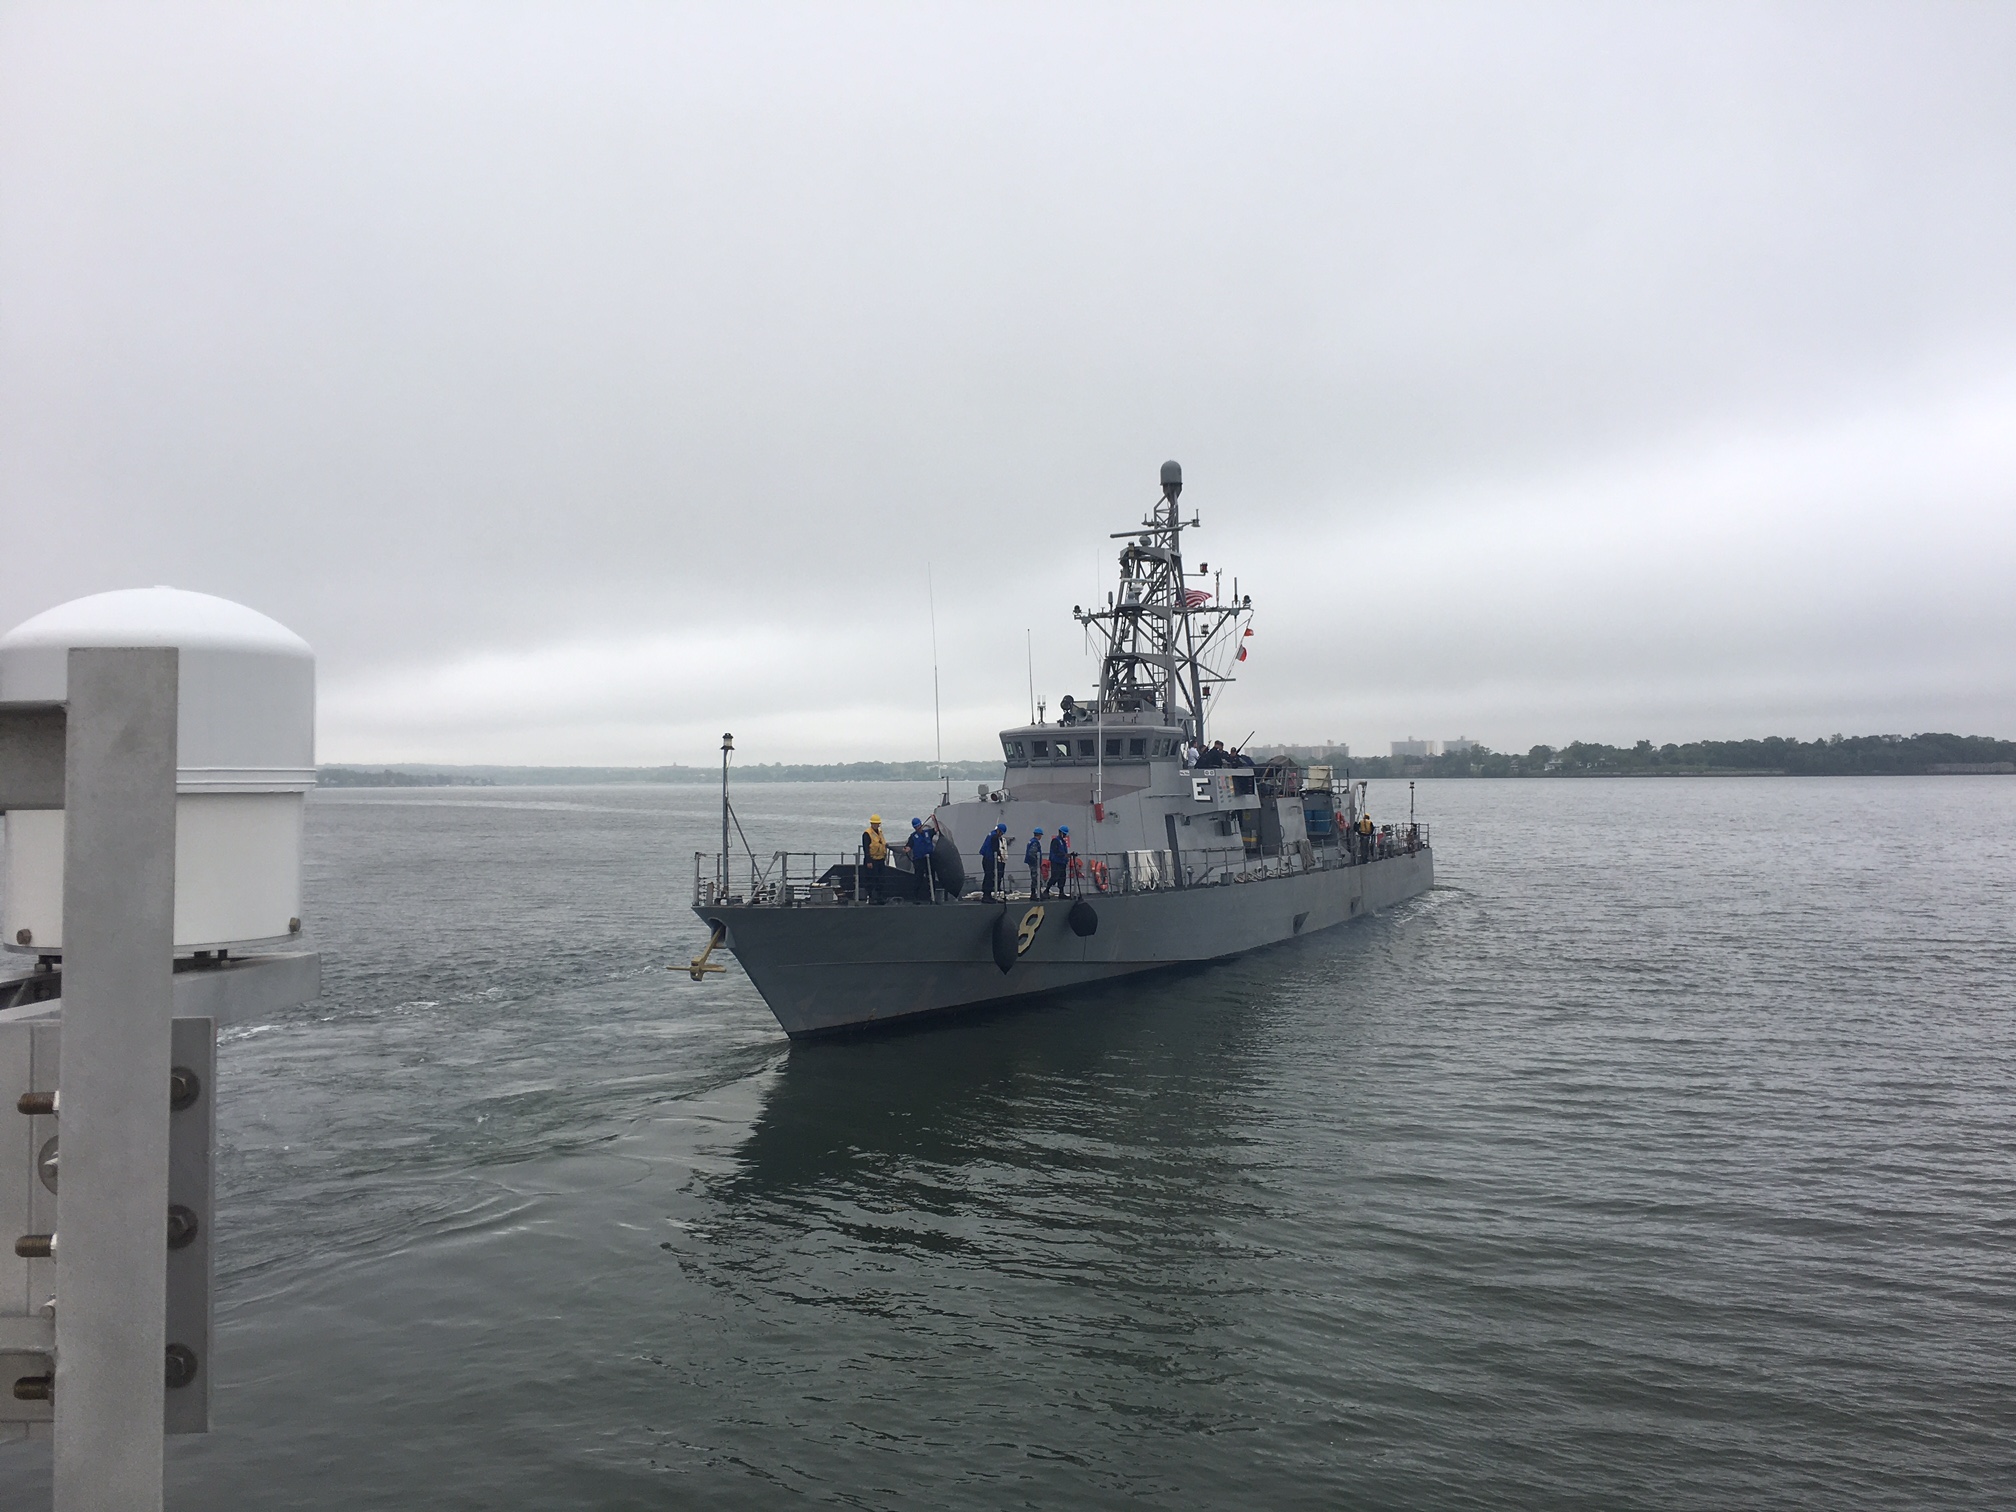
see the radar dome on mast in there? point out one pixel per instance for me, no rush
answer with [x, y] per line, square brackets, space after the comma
[1172, 479]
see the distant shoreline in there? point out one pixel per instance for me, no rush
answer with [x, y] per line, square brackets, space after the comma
[1838, 756]
[417, 774]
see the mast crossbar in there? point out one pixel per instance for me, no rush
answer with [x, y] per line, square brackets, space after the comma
[1157, 640]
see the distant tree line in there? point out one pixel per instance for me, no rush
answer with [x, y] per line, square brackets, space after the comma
[552, 776]
[1836, 756]
[336, 776]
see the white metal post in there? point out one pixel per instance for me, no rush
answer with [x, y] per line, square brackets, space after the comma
[118, 1001]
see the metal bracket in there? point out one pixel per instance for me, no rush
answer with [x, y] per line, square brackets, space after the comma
[29, 1204]
[28, 1064]
[240, 990]
[192, 1131]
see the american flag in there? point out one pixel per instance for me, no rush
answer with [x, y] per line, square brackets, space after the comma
[1196, 597]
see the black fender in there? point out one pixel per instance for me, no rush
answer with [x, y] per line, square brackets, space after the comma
[1083, 919]
[1004, 941]
[947, 869]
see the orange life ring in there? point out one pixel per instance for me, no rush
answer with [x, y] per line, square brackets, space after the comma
[1098, 870]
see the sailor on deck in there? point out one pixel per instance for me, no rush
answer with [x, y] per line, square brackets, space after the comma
[1060, 861]
[919, 845]
[992, 869]
[1032, 853]
[874, 858]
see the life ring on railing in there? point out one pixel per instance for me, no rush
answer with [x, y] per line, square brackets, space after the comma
[1096, 869]
[1077, 867]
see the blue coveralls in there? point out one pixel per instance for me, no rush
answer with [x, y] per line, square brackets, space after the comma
[1060, 865]
[919, 845]
[990, 865]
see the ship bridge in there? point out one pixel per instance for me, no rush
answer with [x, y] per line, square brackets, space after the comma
[1065, 762]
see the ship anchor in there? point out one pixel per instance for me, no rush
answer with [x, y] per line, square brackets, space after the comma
[700, 965]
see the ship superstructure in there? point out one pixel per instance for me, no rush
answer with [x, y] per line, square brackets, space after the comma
[1172, 862]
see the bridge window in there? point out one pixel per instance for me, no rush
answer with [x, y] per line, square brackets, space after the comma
[1040, 747]
[1112, 748]
[1087, 749]
[1137, 748]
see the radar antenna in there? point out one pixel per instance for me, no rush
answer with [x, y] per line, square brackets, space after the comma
[1161, 636]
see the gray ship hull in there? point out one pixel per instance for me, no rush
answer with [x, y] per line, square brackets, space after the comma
[828, 968]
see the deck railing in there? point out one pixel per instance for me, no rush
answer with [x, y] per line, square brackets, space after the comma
[798, 879]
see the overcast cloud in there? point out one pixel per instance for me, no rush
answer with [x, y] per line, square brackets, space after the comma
[583, 380]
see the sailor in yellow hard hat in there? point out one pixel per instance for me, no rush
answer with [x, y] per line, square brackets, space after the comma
[875, 859]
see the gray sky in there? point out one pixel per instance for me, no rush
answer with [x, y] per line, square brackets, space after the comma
[583, 380]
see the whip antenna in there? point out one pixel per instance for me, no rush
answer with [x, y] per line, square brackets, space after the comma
[937, 722]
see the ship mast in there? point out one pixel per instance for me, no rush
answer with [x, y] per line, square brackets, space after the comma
[1160, 635]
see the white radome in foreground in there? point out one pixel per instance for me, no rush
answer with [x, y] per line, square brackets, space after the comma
[245, 761]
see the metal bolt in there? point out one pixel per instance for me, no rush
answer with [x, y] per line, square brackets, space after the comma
[36, 1104]
[182, 1227]
[36, 1246]
[36, 1388]
[293, 926]
[184, 1087]
[24, 937]
[181, 1365]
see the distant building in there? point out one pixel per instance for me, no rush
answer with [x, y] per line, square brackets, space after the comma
[1332, 750]
[1459, 744]
[1412, 747]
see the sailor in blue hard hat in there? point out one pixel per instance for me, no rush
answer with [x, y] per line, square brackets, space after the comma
[993, 869]
[1032, 856]
[919, 846]
[1060, 861]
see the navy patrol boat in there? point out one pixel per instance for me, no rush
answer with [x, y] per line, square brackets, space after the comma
[1172, 864]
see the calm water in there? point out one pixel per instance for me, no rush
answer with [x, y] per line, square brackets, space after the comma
[1663, 1156]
